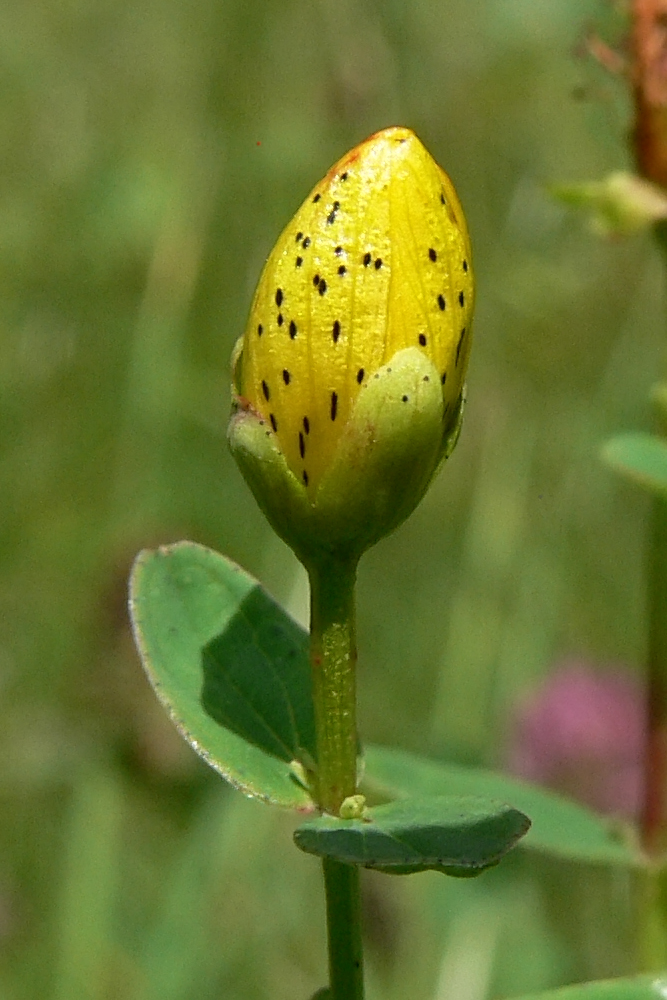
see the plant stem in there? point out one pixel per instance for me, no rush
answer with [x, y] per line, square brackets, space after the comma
[333, 656]
[654, 813]
[654, 808]
[346, 974]
[653, 906]
[652, 950]
[333, 659]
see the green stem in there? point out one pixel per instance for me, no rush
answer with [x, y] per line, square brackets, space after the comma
[652, 951]
[346, 974]
[333, 659]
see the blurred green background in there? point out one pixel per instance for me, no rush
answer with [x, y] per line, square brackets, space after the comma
[150, 153]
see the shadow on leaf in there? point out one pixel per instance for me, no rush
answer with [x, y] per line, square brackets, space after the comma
[256, 680]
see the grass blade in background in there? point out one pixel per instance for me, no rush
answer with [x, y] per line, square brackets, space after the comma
[635, 988]
[86, 909]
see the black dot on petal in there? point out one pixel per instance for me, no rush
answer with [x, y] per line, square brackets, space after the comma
[292, 329]
[367, 259]
[273, 422]
[316, 280]
[462, 299]
[304, 476]
[360, 376]
[302, 445]
[343, 177]
[299, 261]
[426, 379]
[422, 339]
[322, 287]
[378, 263]
[336, 331]
[306, 243]
[338, 251]
[306, 425]
[334, 405]
[444, 378]
[441, 302]
[279, 297]
[342, 269]
[265, 390]
[260, 329]
[432, 254]
[404, 398]
[460, 344]
[331, 217]
[465, 265]
[442, 199]
[299, 236]
[281, 319]
[317, 198]
[286, 376]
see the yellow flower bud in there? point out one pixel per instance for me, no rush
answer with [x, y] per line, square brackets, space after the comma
[349, 379]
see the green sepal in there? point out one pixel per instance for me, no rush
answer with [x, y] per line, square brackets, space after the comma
[458, 836]
[281, 497]
[389, 450]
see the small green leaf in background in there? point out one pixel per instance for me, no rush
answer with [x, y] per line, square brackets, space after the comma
[619, 205]
[634, 988]
[559, 828]
[229, 665]
[641, 458]
[457, 836]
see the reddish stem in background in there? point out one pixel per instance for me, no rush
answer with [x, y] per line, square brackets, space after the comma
[649, 142]
[654, 813]
[649, 80]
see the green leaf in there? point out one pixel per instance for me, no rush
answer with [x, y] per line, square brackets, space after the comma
[634, 988]
[559, 827]
[457, 836]
[230, 667]
[620, 204]
[641, 458]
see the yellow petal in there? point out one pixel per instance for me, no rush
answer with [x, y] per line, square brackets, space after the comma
[377, 259]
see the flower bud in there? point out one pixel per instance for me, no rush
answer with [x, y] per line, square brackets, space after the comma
[349, 380]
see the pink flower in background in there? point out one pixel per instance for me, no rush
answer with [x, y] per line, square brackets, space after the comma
[582, 733]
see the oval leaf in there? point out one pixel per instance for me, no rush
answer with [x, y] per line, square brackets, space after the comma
[229, 665]
[457, 836]
[641, 458]
[634, 988]
[560, 828]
